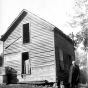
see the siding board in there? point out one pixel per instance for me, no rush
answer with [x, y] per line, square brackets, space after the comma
[13, 60]
[67, 48]
[40, 48]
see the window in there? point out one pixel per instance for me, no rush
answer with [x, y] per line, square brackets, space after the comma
[69, 60]
[25, 63]
[26, 35]
[61, 59]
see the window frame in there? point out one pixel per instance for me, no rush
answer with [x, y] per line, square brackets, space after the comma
[61, 58]
[23, 34]
[29, 65]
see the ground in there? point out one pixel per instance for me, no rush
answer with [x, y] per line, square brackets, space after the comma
[30, 86]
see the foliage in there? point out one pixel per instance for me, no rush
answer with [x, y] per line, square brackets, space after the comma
[11, 75]
[81, 58]
[80, 37]
[10, 70]
[80, 18]
[83, 75]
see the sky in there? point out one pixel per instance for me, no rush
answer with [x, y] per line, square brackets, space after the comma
[55, 12]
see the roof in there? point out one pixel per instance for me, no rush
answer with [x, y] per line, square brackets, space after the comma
[14, 24]
[64, 35]
[20, 17]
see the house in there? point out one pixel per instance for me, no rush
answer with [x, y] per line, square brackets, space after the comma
[37, 49]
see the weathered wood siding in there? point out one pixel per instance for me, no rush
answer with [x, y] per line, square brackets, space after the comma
[67, 48]
[14, 61]
[40, 48]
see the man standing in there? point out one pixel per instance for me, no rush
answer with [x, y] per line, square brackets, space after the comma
[74, 74]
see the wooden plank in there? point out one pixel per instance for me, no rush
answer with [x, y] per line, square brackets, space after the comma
[32, 46]
[31, 51]
[42, 48]
[46, 64]
[13, 63]
[13, 60]
[13, 35]
[39, 21]
[27, 19]
[36, 27]
[25, 50]
[41, 53]
[46, 58]
[36, 39]
[36, 24]
[42, 59]
[16, 41]
[36, 66]
[41, 62]
[38, 55]
[42, 21]
[42, 73]
[67, 47]
[36, 33]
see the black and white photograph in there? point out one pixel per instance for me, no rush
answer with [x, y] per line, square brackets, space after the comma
[43, 43]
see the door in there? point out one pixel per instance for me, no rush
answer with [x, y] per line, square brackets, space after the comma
[25, 63]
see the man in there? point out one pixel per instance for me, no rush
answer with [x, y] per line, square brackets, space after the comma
[74, 74]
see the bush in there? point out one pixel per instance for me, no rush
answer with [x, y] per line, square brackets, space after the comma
[11, 74]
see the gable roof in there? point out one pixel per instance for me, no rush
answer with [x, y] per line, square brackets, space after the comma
[20, 17]
[13, 25]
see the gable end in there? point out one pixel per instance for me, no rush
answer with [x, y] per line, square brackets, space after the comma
[13, 26]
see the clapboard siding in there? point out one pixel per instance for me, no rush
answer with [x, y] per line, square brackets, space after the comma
[34, 22]
[14, 61]
[64, 45]
[67, 48]
[40, 48]
[42, 73]
[40, 22]
[39, 41]
[37, 48]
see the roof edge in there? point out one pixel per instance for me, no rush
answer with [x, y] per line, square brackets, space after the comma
[13, 25]
[64, 35]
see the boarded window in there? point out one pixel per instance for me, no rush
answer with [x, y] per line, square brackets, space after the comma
[26, 34]
[61, 59]
[25, 63]
[69, 60]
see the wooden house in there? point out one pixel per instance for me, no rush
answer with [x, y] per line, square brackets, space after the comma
[37, 49]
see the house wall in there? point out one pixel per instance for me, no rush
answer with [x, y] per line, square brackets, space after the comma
[40, 48]
[68, 49]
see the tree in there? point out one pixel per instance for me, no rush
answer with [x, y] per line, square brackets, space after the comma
[82, 37]
[80, 18]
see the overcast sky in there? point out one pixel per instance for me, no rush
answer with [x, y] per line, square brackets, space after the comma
[54, 11]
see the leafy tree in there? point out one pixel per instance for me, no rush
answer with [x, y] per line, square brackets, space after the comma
[81, 57]
[80, 18]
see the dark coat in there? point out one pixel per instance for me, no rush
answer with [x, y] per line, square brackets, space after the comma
[75, 75]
